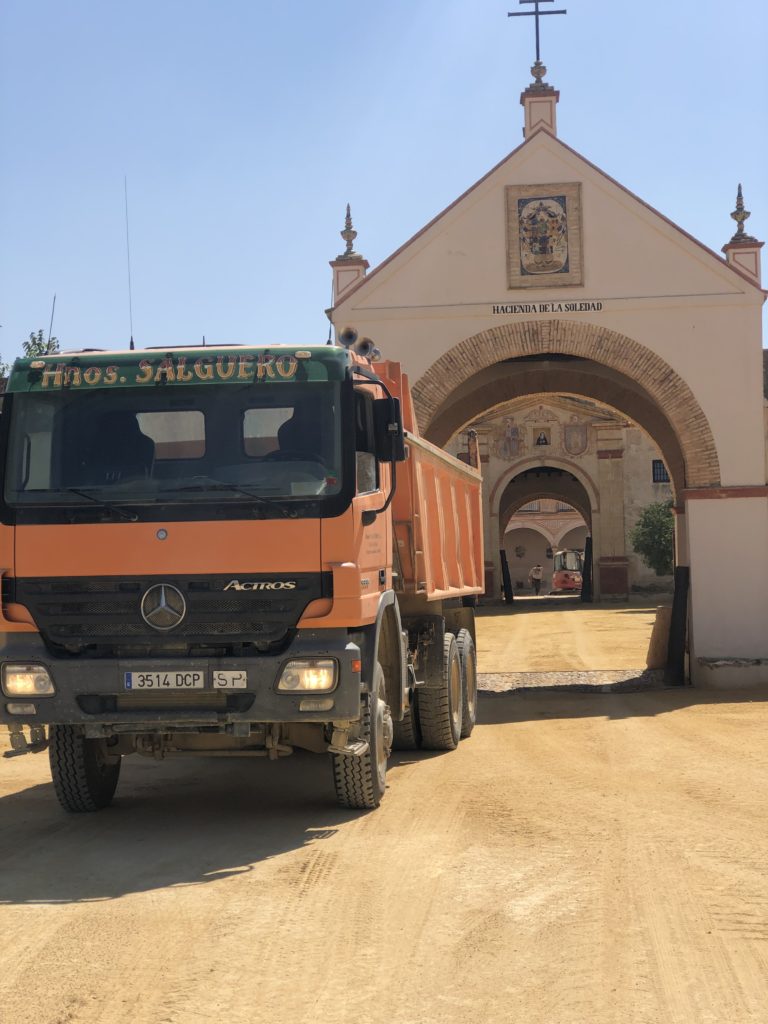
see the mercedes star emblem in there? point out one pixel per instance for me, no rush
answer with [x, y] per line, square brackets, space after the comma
[163, 607]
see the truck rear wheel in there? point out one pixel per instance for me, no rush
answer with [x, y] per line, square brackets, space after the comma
[407, 734]
[361, 781]
[84, 775]
[440, 707]
[468, 659]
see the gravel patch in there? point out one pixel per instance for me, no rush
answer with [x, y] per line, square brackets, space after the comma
[619, 680]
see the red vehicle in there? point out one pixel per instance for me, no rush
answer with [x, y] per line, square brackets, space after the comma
[567, 569]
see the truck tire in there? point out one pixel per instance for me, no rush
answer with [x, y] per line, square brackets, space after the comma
[360, 781]
[440, 707]
[84, 777]
[407, 734]
[468, 659]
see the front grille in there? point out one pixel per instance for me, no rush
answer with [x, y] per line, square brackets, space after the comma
[74, 621]
[103, 586]
[124, 629]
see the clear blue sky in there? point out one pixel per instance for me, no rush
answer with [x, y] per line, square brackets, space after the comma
[245, 127]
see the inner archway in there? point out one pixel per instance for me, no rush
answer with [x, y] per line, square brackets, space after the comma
[557, 483]
[538, 506]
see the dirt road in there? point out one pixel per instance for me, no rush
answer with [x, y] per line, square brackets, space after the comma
[550, 634]
[582, 859]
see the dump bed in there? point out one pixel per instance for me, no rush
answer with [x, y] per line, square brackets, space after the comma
[437, 513]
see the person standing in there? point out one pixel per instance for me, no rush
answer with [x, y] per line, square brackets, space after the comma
[535, 577]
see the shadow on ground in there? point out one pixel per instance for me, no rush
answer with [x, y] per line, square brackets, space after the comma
[529, 705]
[574, 680]
[177, 823]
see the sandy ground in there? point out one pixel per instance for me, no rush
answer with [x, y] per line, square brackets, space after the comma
[549, 634]
[581, 859]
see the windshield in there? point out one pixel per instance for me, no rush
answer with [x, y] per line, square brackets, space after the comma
[570, 560]
[275, 443]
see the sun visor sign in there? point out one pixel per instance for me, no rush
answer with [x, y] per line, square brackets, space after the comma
[99, 371]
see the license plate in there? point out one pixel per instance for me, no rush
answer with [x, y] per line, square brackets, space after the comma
[229, 680]
[173, 680]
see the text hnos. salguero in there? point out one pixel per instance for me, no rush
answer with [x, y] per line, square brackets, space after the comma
[173, 370]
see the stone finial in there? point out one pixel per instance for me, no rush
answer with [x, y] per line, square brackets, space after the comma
[350, 267]
[538, 71]
[740, 215]
[349, 235]
[743, 250]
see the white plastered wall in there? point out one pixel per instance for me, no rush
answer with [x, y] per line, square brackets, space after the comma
[729, 542]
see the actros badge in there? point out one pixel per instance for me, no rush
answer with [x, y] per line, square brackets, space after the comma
[261, 585]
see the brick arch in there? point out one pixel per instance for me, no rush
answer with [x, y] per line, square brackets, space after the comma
[491, 389]
[643, 380]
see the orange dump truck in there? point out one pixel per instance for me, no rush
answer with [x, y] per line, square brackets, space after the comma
[230, 551]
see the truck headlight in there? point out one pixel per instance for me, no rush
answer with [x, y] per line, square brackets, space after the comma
[309, 675]
[27, 681]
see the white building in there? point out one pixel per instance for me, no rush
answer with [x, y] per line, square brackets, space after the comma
[548, 280]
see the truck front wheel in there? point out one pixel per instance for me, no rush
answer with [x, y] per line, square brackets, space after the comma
[440, 707]
[361, 781]
[84, 774]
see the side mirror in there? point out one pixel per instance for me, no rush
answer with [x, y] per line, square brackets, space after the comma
[388, 430]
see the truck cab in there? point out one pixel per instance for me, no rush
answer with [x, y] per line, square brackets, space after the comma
[197, 555]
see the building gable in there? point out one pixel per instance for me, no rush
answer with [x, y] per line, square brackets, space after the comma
[626, 248]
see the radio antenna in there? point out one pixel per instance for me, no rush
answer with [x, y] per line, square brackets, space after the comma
[330, 321]
[128, 252]
[50, 326]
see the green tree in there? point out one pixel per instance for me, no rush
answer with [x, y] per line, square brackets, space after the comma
[653, 538]
[37, 346]
[34, 346]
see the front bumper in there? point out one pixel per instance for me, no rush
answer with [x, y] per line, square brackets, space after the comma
[92, 691]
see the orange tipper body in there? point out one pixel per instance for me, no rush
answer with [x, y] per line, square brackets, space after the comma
[228, 550]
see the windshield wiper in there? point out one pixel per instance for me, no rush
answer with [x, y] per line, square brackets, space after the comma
[108, 506]
[259, 499]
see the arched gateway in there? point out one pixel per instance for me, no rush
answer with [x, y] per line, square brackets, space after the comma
[548, 282]
[603, 365]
